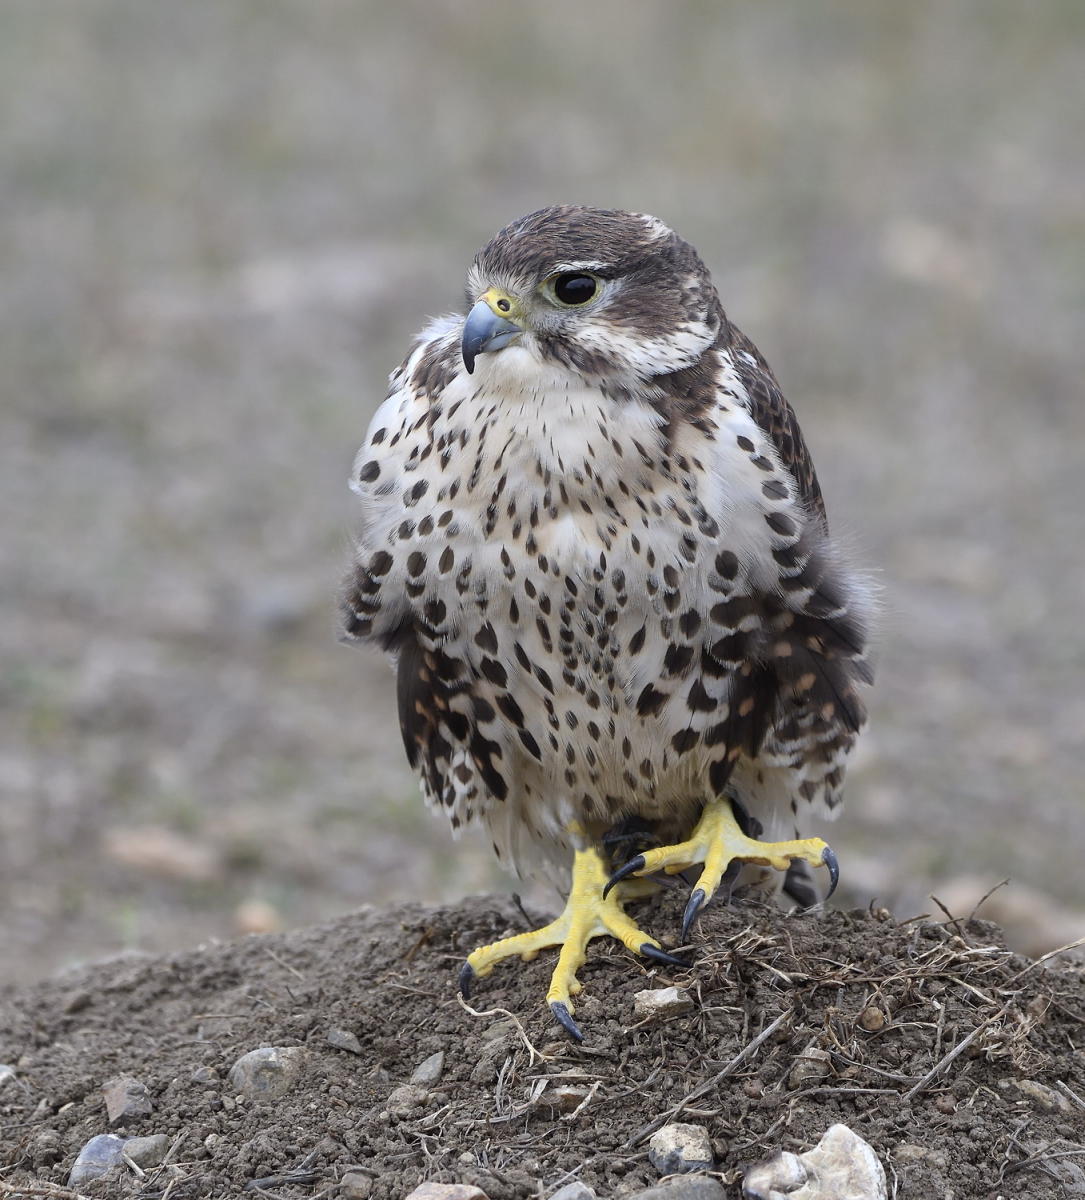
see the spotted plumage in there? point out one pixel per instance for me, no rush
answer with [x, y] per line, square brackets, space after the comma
[594, 544]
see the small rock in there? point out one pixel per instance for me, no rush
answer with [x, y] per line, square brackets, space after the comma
[7, 1074]
[565, 1096]
[467, 1158]
[257, 916]
[207, 1076]
[429, 1070]
[446, 1191]
[343, 1039]
[676, 1149]
[162, 853]
[75, 1001]
[694, 1187]
[872, 1018]
[96, 1157]
[406, 1099]
[811, 1065]
[125, 1098]
[912, 1152]
[840, 1167]
[574, 1191]
[267, 1073]
[355, 1186]
[147, 1151]
[1047, 1098]
[661, 1002]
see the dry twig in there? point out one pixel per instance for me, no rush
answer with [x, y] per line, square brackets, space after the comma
[745, 1053]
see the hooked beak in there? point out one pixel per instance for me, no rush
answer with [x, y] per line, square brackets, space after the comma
[487, 327]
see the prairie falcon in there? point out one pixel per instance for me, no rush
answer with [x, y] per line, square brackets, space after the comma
[594, 545]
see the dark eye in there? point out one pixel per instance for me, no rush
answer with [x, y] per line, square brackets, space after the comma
[573, 287]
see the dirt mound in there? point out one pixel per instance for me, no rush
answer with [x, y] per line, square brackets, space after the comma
[952, 1056]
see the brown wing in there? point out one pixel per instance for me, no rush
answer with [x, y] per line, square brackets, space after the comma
[774, 415]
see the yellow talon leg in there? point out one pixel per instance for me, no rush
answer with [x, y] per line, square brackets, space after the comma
[587, 914]
[717, 840]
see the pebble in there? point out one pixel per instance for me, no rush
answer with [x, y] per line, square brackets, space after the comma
[125, 1098]
[676, 1149]
[429, 1070]
[574, 1191]
[662, 1002]
[840, 1167]
[343, 1039]
[406, 1099]
[446, 1191]
[355, 1186]
[1047, 1098]
[75, 1001]
[565, 1096]
[257, 916]
[208, 1076]
[872, 1019]
[96, 1157]
[7, 1074]
[267, 1073]
[912, 1152]
[811, 1065]
[693, 1187]
[147, 1151]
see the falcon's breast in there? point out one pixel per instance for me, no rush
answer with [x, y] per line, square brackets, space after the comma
[600, 557]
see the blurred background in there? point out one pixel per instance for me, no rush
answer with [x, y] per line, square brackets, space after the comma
[220, 226]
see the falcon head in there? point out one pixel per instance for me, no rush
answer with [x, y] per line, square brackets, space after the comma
[608, 295]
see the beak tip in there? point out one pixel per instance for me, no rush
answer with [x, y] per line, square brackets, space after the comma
[484, 330]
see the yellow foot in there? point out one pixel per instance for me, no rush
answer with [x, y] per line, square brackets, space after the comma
[587, 914]
[717, 840]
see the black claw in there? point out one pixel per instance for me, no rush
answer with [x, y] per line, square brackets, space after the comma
[749, 825]
[630, 868]
[654, 952]
[694, 905]
[467, 977]
[828, 857]
[565, 1020]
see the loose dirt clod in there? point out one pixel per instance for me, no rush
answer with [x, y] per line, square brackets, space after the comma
[970, 1021]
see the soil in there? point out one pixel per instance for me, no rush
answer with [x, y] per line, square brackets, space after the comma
[888, 1001]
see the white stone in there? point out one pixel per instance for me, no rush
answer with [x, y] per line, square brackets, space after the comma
[446, 1191]
[678, 1148]
[661, 1002]
[840, 1167]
